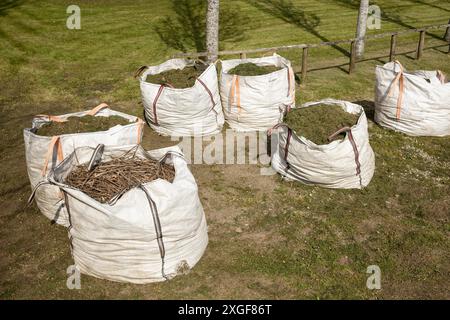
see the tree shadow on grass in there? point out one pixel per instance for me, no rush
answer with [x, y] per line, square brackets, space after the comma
[286, 11]
[5, 5]
[186, 29]
[389, 16]
[430, 5]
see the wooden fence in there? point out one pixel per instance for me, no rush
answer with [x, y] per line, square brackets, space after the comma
[352, 57]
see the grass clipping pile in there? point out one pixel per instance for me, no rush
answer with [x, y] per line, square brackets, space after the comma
[251, 69]
[178, 78]
[111, 179]
[317, 123]
[80, 125]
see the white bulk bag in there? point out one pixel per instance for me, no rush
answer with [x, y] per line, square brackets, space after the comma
[151, 233]
[44, 152]
[257, 102]
[193, 111]
[347, 163]
[417, 104]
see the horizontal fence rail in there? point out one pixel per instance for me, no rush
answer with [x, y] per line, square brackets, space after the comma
[352, 57]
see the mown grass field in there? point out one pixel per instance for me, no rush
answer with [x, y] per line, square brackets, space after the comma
[268, 238]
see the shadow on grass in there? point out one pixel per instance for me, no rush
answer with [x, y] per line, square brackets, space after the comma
[381, 59]
[429, 4]
[369, 108]
[389, 16]
[186, 29]
[286, 11]
[5, 5]
[445, 50]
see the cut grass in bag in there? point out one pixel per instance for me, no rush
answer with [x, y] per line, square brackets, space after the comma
[193, 84]
[317, 123]
[251, 69]
[115, 177]
[81, 124]
[177, 78]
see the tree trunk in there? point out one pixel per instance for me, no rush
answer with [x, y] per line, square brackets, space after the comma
[212, 30]
[361, 27]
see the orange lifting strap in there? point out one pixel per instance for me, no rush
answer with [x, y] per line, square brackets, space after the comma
[54, 143]
[235, 94]
[400, 80]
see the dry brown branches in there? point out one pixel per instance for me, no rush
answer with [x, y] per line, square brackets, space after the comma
[113, 178]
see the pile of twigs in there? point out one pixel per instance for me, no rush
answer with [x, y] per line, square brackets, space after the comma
[109, 180]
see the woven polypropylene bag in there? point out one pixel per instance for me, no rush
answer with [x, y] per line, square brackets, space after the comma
[347, 163]
[42, 153]
[151, 233]
[417, 104]
[193, 111]
[257, 103]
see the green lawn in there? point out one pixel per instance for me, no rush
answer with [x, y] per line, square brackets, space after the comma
[268, 238]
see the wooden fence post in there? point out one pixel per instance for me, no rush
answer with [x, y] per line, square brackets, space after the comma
[304, 65]
[393, 46]
[352, 57]
[420, 44]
